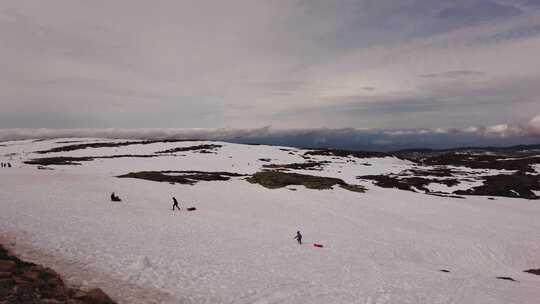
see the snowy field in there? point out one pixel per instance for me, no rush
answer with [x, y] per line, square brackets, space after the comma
[381, 246]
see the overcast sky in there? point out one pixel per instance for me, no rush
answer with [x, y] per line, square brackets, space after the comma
[377, 64]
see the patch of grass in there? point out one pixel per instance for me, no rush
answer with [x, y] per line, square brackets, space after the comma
[276, 179]
[181, 177]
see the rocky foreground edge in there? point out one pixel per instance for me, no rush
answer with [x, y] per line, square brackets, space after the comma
[28, 283]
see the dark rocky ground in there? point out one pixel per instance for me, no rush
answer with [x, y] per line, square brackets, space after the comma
[517, 185]
[406, 183]
[200, 148]
[448, 167]
[533, 271]
[75, 161]
[68, 160]
[27, 283]
[107, 144]
[310, 165]
[518, 158]
[346, 153]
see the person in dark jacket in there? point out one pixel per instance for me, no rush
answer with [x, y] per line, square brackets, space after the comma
[115, 198]
[175, 204]
[298, 237]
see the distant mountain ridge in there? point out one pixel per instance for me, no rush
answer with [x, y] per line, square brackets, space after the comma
[458, 149]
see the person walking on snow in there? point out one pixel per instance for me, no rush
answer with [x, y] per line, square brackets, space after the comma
[298, 237]
[175, 203]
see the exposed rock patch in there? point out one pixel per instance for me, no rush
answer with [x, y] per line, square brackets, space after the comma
[200, 148]
[533, 271]
[68, 160]
[517, 185]
[59, 161]
[106, 145]
[44, 168]
[346, 153]
[407, 183]
[69, 141]
[310, 165]
[483, 161]
[436, 172]
[27, 283]
[506, 279]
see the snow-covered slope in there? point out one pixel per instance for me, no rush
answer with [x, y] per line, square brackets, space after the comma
[381, 246]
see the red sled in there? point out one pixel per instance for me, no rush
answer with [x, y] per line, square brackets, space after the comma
[191, 209]
[318, 245]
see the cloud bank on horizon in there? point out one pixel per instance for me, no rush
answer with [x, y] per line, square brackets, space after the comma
[243, 64]
[345, 138]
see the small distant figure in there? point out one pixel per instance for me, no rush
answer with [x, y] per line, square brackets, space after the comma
[175, 204]
[115, 198]
[298, 237]
[9, 165]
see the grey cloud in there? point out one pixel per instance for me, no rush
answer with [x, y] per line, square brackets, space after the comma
[243, 64]
[521, 32]
[454, 74]
[476, 11]
[449, 105]
[534, 126]
[346, 138]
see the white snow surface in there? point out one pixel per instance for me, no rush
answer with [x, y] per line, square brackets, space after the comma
[382, 246]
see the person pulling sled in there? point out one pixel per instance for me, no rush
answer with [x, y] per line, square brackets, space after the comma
[175, 204]
[298, 237]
